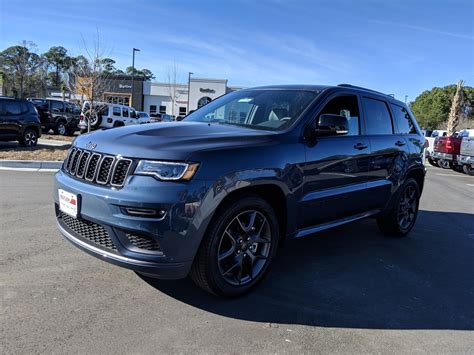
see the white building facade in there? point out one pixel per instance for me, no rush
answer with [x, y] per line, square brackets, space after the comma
[172, 99]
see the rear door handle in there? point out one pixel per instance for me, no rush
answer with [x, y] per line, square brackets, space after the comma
[400, 144]
[360, 146]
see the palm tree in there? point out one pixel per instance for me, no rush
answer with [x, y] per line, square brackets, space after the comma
[456, 109]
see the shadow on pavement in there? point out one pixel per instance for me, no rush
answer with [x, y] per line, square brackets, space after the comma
[354, 277]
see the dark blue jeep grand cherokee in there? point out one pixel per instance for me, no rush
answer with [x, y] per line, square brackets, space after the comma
[212, 196]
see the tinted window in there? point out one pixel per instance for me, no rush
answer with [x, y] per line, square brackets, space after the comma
[348, 107]
[57, 106]
[163, 109]
[133, 114]
[11, 107]
[182, 111]
[152, 108]
[125, 112]
[377, 117]
[116, 111]
[403, 119]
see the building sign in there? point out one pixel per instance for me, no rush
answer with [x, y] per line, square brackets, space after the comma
[124, 86]
[207, 91]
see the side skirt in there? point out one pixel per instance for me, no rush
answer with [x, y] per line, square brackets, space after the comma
[321, 227]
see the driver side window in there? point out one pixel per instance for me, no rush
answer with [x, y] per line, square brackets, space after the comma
[347, 106]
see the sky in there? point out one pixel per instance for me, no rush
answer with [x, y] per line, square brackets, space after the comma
[394, 46]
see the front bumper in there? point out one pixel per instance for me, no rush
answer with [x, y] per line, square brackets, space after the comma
[105, 230]
[466, 159]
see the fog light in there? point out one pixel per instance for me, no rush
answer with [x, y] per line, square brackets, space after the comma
[145, 212]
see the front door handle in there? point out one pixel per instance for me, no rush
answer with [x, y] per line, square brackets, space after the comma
[360, 146]
[400, 144]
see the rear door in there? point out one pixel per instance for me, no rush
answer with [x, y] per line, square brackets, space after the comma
[389, 151]
[336, 168]
[11, 118]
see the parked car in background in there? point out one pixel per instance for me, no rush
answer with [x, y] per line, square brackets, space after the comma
[446, 151]
[161, 117]
[19, 121]
[108, 115]
[213, 196]
[143, 117]
[60, 116]
[466, 156]
[430, 137]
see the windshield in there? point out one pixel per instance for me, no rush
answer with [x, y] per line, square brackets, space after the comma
[263, 109]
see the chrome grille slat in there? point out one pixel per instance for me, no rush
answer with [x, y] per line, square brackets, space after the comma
[92, 166]
[96, 168]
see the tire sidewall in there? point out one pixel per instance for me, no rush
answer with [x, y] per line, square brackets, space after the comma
[58, 129]
[409, 182]
[217, 282]
[29, 130]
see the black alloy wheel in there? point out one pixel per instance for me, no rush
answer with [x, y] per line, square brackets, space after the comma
[244, 247]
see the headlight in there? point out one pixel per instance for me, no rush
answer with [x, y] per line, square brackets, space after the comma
[164, 170]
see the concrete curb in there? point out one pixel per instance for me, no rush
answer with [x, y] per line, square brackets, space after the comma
[30, 165]
[53, 143]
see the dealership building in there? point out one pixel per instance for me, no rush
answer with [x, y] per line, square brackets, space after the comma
[172, 99]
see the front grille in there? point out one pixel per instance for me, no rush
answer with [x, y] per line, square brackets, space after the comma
[143, 243]
[93, 232]
[97, 168]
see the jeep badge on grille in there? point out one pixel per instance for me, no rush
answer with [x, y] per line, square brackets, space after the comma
[91, 145]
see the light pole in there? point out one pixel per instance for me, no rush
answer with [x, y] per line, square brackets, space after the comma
[133, 73]
[406, 98]
[189, 90]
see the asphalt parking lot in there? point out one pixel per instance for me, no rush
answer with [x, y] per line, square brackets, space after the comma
[349, 290]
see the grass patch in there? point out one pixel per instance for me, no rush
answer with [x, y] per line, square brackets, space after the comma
[36, 153]
[57, 137]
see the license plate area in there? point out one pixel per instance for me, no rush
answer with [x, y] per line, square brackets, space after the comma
[68, 203]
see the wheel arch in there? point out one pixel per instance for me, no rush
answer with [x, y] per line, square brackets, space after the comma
[419, 175]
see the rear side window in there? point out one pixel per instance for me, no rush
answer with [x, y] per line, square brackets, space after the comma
[116, 111]
[377, 117]
[125, 112]
[11, 107]
[57, 107]
[402, 118]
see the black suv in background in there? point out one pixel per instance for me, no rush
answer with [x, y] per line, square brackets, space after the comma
[213, 195]
[19, 121]
[60, 116]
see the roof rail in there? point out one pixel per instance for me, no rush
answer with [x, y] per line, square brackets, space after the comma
[360, 87]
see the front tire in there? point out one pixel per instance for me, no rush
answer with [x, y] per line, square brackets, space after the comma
[237, 250]
[399, 221]
[432, 162]
[29, 138]
[468, 169]
[445, 164]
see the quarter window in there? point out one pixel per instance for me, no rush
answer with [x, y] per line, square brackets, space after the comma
[348, 107]
[403, 119]
[377, 117]
[11, 107]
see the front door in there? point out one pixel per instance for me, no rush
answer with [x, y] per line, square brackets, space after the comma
[336, 169]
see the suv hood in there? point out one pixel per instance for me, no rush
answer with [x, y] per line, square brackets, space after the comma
[171, 140]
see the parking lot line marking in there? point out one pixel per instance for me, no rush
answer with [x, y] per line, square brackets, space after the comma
[452, 175]
[470, 184]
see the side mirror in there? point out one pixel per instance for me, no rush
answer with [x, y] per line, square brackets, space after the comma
[331, 125]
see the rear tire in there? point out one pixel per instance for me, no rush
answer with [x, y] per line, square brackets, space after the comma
[238, 247]
[399, 221]
[29, 138]
[445, 164]
[61, 129]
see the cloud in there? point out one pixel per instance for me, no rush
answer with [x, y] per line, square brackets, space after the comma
[424, 29]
